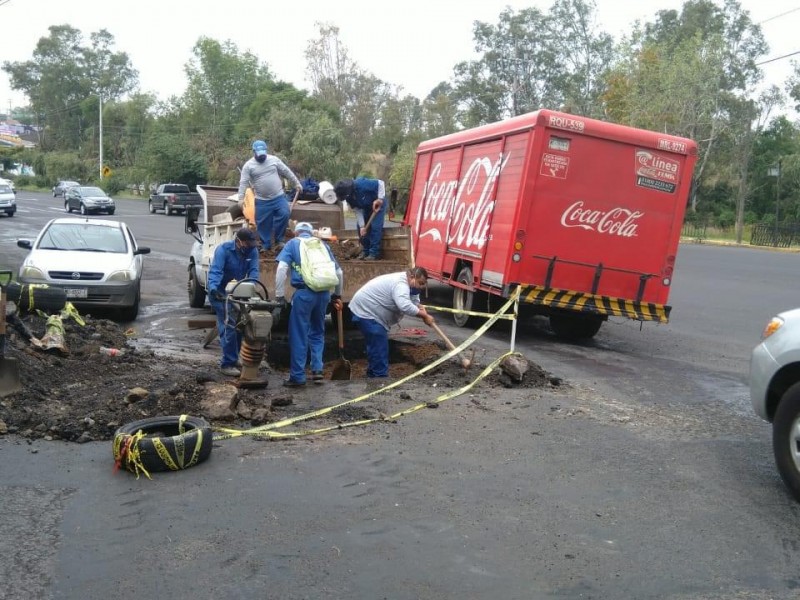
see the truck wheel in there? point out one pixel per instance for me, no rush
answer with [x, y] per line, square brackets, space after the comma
[150, 207]
[463, 299]
[786, 439]
[197, 295]
[169, 443]
[167, 209]
[575, 327]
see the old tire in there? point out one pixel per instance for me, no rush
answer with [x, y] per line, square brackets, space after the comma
[197, 295]
[29, 297]
[786, 439]
[165, 444]
[575, 326]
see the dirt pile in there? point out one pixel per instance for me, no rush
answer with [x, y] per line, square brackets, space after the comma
[87, 392]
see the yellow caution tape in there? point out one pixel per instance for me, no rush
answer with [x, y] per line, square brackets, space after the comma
[267, 430]
[472, 313]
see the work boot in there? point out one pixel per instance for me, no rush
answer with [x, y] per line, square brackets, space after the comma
[370, 257]
[293, 384]
[317, 376]
[361, 256]
[230, 371]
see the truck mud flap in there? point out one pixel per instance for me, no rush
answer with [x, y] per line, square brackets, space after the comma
[591, 303]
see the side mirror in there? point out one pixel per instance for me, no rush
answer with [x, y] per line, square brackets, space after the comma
[141, 250]
[27, 244]
[192, 214]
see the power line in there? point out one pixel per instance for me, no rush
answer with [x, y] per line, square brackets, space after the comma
[779, 16]
[764, 62]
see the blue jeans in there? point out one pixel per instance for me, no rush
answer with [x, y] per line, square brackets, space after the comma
[272, 217]
[306, 332]
[372, 241]
[229, 338]
[377, 341]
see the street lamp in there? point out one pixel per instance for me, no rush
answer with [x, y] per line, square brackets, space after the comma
[775, 171]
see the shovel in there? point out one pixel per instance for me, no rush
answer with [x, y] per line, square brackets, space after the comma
[9, 369]
[465, 362]
[341, 368]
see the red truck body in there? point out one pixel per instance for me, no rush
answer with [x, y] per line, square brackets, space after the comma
[584, 215]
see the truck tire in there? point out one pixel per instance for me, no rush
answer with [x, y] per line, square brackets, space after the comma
[786, 437]
[197, 295]
[169, 443]
[167, 209]
[150, 207]
[463, 299]
[575, 327]
[29, 297]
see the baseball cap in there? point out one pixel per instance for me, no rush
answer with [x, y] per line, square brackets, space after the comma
[246, 236]
[260, 148]
[343, 189]
[303, 227]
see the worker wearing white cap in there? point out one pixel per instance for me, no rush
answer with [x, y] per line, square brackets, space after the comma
[307, 317]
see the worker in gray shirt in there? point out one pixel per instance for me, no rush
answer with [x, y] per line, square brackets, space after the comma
[381, 303]
[265, 173]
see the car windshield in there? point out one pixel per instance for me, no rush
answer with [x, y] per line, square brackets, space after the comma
[92, 191]
[67, 184]
[4, 189]
[86, 237]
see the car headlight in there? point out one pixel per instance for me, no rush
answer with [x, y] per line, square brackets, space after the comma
[31, 272]
[773, 326]
[124, 275]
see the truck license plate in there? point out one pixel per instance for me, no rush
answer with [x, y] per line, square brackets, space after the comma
[76, 292]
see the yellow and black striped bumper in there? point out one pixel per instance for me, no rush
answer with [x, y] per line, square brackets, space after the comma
[590, 303]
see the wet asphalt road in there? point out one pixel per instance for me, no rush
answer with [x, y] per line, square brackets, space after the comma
[647, 477]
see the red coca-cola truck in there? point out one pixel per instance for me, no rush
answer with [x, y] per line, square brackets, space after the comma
[584, 215]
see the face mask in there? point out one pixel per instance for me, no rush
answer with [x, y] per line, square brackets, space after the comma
[261, 159]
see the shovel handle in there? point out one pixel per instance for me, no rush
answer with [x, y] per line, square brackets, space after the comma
[447, 341]
[369, 221]
[340, 326]
[296, 196]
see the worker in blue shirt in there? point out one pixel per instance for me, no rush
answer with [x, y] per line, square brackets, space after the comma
[307, 317]
[365, 196]
[235, 259]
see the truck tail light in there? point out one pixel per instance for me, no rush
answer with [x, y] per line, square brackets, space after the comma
[667, 275]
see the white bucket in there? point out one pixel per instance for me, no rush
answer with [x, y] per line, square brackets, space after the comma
[326, 193]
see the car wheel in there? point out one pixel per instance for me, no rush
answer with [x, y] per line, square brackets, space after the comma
[111, 212]
[150, 207]
[54, 194]
[83, 209]
[197, 295]
[131, 312]
[168, 444]
[167, 209]
[463, 299]
[575, 327]
[67, 208]
[786, 439]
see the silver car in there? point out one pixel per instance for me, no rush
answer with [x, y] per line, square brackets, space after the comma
[88, 199]
[775, 392]
[60, 188]
[97, 262]
[8, 200]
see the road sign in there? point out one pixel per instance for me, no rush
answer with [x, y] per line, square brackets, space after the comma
[106, 171]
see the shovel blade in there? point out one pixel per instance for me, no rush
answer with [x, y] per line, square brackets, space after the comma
[9, 377]
[341, 370]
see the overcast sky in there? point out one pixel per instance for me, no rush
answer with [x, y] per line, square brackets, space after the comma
[411, 43]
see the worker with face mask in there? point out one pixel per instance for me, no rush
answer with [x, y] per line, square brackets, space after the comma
[265, 174]
[235, 259]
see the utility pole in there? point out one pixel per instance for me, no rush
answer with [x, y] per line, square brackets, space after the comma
[101, 135]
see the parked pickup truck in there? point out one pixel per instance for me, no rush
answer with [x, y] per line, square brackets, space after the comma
[173, 198]
[216, 227]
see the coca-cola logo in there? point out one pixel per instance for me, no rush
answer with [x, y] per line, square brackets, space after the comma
[469, 225]
[615, 221]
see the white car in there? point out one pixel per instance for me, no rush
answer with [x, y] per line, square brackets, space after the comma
[9, 183]
[8, 200]
[775, 392]
[97, 262]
